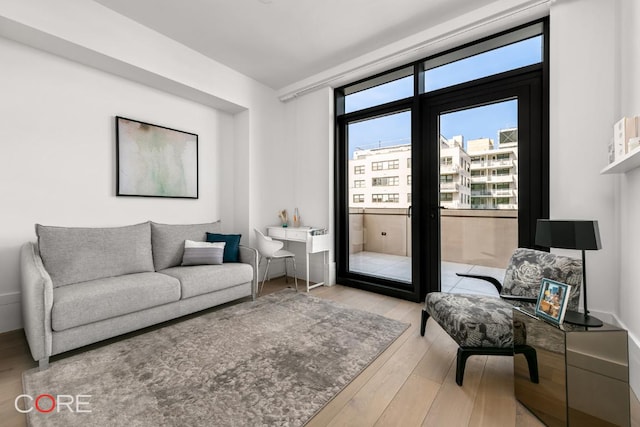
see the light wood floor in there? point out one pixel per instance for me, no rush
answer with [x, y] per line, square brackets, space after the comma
[411, 384]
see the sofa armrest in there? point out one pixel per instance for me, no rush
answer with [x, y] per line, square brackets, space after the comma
[37, 302]
[250, 256]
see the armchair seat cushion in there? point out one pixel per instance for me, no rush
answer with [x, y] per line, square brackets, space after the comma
[473, 320]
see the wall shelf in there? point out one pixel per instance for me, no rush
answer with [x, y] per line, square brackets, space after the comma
[625, 164]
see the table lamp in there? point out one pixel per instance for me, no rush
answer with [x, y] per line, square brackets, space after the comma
[576, 234]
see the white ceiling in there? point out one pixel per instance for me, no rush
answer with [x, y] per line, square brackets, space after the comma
[280, 42]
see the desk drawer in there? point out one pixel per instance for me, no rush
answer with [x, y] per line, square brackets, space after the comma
[297, 235]
[277, 232]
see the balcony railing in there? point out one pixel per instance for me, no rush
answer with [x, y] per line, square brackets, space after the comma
[492, 193]
[449, 186]
[449, 169]
[492, 164]
[468, 236]
[492, 178]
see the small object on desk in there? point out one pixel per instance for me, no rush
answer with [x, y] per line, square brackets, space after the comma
[296, 218]
[284, 220]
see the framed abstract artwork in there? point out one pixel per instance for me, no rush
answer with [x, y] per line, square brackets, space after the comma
[155, 161]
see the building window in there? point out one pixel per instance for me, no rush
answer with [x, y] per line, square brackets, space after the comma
[446, 179]
[358, 170]
[503, 172]
[502, 201]
[477, 173]
[503, 156]
[409, 198]
[359, 183]
[385, 181]
[358, 198]
[446, 197]
[409, 163]
[409, 179]
[386, 164]
[385, 198]
[446, 161]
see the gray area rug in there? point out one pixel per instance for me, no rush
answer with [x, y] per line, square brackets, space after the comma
[275, 361]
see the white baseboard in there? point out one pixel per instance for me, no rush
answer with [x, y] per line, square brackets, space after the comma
[10, 312]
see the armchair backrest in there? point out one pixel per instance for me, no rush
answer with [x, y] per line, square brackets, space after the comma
[528, 267]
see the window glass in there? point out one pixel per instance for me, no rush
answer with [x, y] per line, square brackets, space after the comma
[377, 95]
[505, 58]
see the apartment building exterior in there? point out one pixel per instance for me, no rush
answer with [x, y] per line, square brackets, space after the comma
[494, 171]
[380, 177]
[482, 176]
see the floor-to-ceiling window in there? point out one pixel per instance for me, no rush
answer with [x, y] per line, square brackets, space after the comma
[442, 165]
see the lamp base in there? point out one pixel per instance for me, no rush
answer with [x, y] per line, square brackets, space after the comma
[577, 318]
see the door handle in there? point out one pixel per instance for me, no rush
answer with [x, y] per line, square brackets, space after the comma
[409, 212]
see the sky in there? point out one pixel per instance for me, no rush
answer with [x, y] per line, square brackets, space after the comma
[473, 123]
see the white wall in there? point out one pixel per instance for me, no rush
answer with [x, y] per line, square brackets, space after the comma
[309, 135]
[57, 128]
[57, 145]
[629, 187]
[584, 101]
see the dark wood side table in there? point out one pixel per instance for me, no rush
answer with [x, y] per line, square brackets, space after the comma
[583, 372]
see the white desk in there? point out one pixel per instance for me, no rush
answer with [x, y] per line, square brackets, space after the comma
[314, 243]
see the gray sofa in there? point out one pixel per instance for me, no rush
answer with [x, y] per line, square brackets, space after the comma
[84, 285]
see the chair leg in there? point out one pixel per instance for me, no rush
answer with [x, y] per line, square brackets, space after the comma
[425, 317]
[266, 271]
[286, 274]
[532, 360]
[461, 362]
[295, 273]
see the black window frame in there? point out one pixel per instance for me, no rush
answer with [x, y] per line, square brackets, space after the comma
[539, 184]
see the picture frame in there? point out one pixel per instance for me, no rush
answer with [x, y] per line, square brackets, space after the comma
[552, 301]
[155, 161]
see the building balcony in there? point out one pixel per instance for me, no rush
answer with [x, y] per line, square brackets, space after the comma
[449, 187]
[492, 193]
[493, 179]
[449, 169]
[492, 164]
[469, 236]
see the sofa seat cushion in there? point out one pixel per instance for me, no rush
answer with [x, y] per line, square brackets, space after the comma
[87, 302]
[202, 279]
[473, 320]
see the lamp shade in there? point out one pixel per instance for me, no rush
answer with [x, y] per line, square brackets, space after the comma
[578, 234]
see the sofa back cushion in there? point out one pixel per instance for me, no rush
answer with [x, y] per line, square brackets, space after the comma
[168, 241]
[73, 255]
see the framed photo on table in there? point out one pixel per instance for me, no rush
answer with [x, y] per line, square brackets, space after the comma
[552, 301]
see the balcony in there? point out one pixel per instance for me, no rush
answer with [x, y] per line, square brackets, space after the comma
[449, 187]
[478, 179]
[492, 193]
[449, 168]
[492, 164]
[472, 237]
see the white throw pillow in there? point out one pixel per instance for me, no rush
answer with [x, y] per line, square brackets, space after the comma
[203, 253]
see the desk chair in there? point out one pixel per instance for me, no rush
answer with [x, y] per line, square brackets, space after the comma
[483, 325]
[272, 249]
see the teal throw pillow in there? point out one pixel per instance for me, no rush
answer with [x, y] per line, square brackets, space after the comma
[232, 247]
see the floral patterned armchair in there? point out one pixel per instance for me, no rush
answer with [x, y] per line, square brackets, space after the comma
[482, 325]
